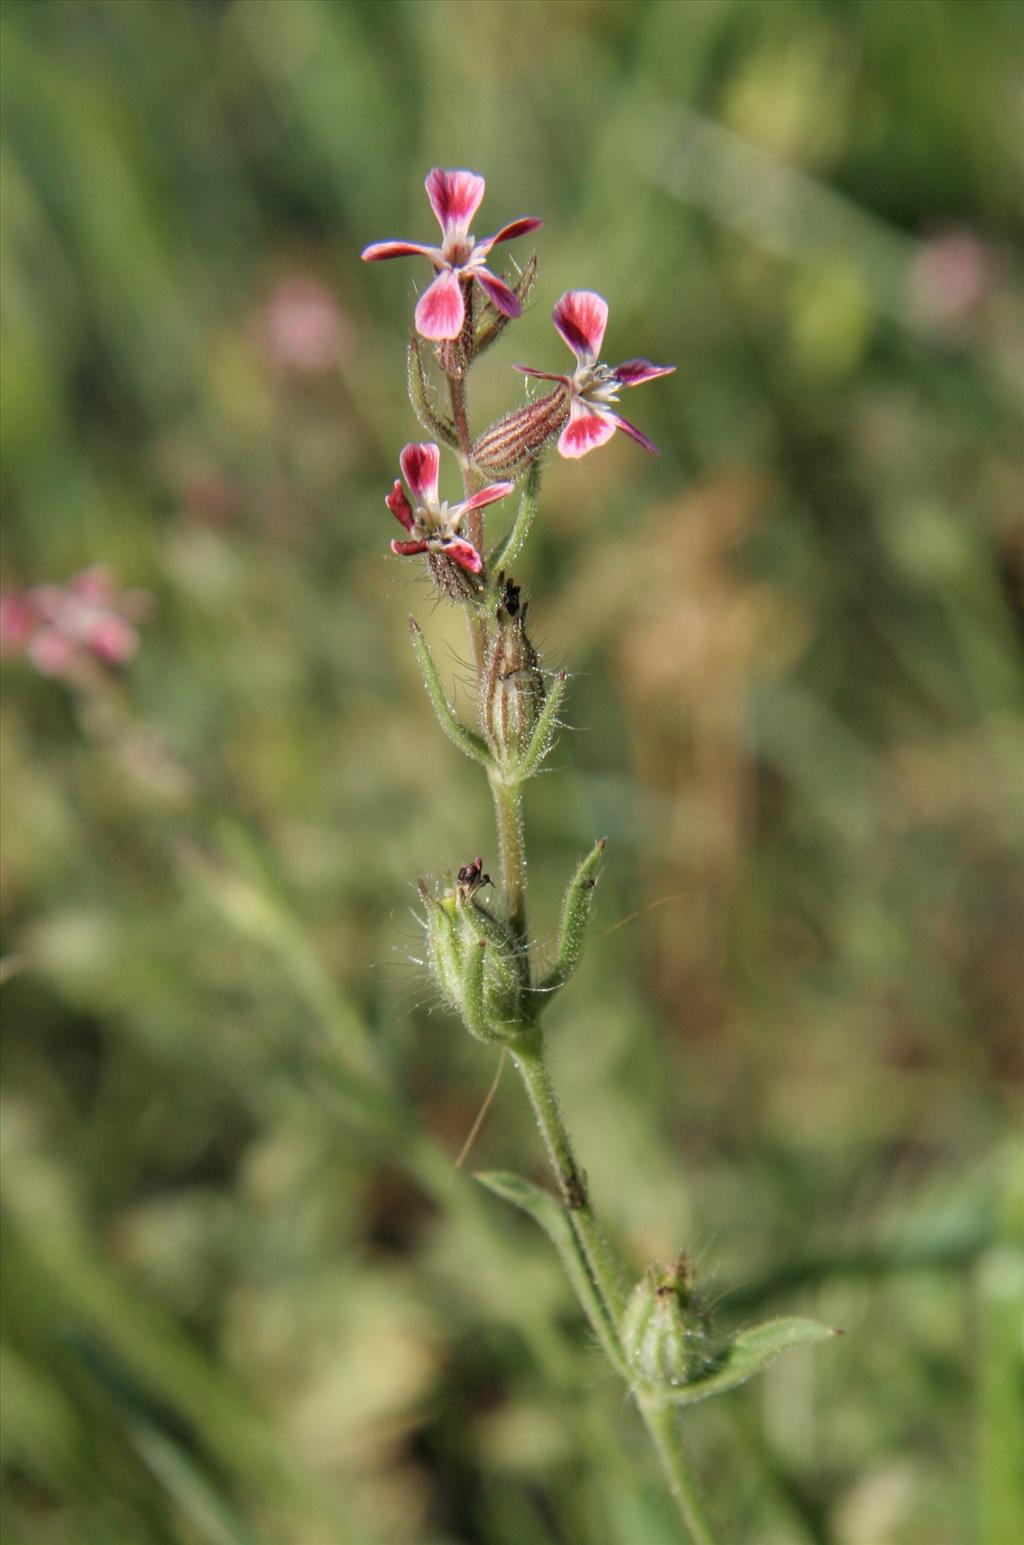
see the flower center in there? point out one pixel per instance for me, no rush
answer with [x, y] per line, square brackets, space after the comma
[458, 249]
[434, 520]
[596, 383]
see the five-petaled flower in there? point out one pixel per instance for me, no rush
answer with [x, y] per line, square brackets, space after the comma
[433, 526]
[581, 317]
[455, 198]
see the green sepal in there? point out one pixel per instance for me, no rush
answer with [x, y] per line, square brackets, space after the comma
[505, 946]
[473, 1006]
[421, 398]
[468, 742]
[746, 1355]
[577, 905]
[501, 982]
[506, 550]
[543, 735]
[552, 1217]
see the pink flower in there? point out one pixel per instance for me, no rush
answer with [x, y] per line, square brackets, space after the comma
[581, 317]
[435, 526]
[57, 626]
[303, 328]
[455, 198]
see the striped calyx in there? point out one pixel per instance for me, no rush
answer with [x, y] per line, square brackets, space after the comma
[512, 689]
[665, 1329]
[514, 441]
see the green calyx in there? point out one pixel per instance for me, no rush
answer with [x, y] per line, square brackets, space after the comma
[474, 960]
[665, 1329]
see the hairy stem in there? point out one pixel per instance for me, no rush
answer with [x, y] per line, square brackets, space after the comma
[572, 1184]
[508, 811]
[662, 1424]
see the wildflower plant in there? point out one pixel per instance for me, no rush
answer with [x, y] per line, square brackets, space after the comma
[659, 1336]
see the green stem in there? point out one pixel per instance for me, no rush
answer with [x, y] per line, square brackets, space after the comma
[604, 1268]
[508, 811]
[662, 1425]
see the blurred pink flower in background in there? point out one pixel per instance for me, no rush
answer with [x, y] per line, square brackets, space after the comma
[303, 327]
[61, 628]
[950, 275]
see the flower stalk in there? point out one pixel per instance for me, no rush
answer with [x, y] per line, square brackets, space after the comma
[658, 1338]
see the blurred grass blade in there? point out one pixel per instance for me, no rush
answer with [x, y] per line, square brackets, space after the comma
[210, 1512]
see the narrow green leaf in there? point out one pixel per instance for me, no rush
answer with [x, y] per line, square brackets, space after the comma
[577, 906]
[511, 544]
[552, 1217]
[748, 1354]
[457, 733]
[421, 398]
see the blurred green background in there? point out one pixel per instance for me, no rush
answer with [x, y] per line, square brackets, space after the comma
[247, 1296]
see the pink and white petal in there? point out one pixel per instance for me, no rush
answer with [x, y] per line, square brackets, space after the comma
[420, 467]
[584, 432]
[380, 251]
[635, 434]
[507, 233]
[498, 291]
[464, 554]
[633, 372]
[406, 549]
[440, 310]
[111, 639]
[454, 197]
[543, 375]
[581, 317]
[486, 495]
[399, 506]
[51, 652]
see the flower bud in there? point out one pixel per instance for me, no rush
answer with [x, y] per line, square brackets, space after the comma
[515, 440]
[494, 322]
[665, 1326]
[443, 944]
[473, 958]
[512, 687]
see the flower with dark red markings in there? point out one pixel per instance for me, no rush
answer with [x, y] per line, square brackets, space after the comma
[581, 317]
[434, 526]
[455, 198]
